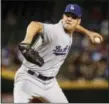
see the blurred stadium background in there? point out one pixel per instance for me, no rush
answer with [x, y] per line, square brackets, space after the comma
[84, 75]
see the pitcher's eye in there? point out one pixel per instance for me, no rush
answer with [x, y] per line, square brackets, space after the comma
[71, 15]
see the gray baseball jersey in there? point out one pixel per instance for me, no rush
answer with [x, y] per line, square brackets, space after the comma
[53, 46]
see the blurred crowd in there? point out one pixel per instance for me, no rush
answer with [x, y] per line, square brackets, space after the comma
[85, 60]
[88, 62]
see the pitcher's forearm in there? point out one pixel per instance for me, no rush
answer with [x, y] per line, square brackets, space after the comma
[28, 39]
[83, 30]
[33, 29]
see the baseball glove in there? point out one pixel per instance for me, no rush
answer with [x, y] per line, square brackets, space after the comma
[30, 54]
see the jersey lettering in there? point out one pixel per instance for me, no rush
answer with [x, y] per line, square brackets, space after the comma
[61, 51]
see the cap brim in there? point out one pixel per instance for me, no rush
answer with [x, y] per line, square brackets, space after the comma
[72, 13]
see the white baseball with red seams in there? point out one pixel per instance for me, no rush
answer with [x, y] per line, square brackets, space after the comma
[97, 40]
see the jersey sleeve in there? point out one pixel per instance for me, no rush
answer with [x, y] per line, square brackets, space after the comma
[47, 33]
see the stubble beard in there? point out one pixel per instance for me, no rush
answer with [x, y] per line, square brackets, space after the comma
[67, 27]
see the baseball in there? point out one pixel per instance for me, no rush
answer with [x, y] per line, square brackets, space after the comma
[97, 40]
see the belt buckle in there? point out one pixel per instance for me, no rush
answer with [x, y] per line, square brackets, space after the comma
[36, 74]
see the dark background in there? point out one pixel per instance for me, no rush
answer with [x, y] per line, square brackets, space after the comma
[84, 75]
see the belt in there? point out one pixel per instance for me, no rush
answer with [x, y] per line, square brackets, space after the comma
[39, 75]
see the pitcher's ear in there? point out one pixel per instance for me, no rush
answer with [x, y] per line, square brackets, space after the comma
[79, 21]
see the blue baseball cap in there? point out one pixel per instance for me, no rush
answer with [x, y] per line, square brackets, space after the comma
[74, 9]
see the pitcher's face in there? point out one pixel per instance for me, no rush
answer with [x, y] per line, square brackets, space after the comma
[70, 21]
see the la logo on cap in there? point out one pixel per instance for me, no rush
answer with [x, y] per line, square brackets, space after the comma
[72, 7]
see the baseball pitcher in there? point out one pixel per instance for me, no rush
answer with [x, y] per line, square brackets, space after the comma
[35, 81]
